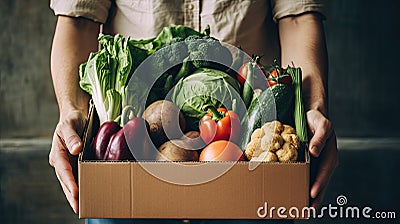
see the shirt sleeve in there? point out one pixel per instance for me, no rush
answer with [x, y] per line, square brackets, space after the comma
[282, 8]
[96, 10]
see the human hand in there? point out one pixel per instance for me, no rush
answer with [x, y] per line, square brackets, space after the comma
[323, 147]
[66, 142]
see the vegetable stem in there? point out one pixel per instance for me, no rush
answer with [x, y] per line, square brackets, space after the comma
[184, 71]
[126, 115]
[216, 115]
[299, 114]
[206, 31]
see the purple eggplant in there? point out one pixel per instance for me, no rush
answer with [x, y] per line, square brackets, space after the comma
[138, 139]
[103, 136]
[117, 148]
[128, 143]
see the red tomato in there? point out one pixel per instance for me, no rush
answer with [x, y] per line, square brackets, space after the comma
[259, 76]
[279, 76]
[221, 150]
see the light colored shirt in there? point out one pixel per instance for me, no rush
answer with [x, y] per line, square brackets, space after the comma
[250, 24]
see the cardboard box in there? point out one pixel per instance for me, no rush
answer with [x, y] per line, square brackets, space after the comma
[127, 190]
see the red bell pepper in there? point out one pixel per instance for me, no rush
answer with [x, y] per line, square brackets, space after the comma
[219, 124]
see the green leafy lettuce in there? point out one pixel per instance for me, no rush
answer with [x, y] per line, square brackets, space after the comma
[106, 74]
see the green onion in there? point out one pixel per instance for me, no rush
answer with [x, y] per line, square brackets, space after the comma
[299, 114]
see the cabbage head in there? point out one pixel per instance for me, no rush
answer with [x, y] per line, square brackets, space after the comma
[204, 87]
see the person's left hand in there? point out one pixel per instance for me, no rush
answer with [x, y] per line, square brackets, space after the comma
[323, 147]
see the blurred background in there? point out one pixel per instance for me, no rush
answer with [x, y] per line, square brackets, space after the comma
[363, 45]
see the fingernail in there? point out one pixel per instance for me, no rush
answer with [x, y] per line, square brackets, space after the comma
[314, 149]
[314, 192]
[75, 147]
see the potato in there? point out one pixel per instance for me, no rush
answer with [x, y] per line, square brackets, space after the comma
[193, 139]
[192, 134]
[178, 151]
[165, 120]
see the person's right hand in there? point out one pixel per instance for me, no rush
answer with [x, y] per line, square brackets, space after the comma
[66, 142]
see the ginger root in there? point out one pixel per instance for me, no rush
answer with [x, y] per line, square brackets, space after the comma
[278, 140]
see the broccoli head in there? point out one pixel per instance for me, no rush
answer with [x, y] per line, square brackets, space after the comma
[168, 56]
[171, 54]
[206, 51]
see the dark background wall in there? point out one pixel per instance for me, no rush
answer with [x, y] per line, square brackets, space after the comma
[363, 44]
[362, 38]
[27, 103]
